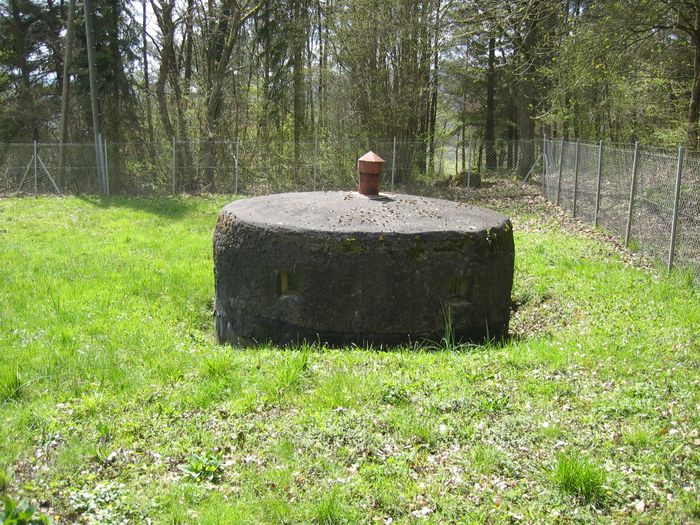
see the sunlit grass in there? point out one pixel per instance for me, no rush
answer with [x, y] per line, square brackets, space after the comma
[580, 477]
[111, 378]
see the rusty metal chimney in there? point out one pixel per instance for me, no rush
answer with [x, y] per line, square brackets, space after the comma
[370, 167]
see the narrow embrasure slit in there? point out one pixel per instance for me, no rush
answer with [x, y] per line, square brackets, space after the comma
[462, 287]
[286, 283]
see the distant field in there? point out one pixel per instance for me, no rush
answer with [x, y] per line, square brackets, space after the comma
[117, 405]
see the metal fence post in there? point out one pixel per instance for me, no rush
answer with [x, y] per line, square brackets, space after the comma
[238, 149]
[633, 189]
[106, 165]
[676, 203]
[315, 160]
[600, 178]
[36, 184]
[561, 169]
[172, 167]
[100, 164]
[471, 155]
[544, 164]
[576, 177]
[498, 157]
[393, 164]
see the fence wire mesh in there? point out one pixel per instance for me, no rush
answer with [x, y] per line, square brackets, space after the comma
[252, 167]
[137, 168]
[48, 168]
[591, 181]
[652, 210]
[615, 186]
[584, 204]
[603, 184]
[687, 248]
[17, 168]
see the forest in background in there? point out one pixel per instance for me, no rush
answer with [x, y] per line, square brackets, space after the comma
[425, 71]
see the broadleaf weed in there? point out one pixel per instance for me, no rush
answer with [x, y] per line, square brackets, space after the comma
[204, 467]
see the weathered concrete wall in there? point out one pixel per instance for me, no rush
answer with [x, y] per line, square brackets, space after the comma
[342, 268]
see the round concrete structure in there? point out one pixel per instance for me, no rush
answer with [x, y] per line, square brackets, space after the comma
[343, 268]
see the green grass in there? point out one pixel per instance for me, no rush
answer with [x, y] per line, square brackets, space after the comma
[578, 476]
[10, 385]
[111, 382]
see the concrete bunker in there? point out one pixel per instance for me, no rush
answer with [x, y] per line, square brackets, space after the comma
[351, 268]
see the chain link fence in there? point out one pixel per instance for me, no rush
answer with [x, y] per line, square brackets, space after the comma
[48, 169]
[649, 197]
[636, 193]
[688, 227]
[256, 167]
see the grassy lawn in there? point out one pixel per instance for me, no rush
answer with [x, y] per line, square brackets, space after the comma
[117, 405]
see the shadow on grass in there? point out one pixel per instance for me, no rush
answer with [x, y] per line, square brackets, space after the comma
[175, 208]
[424, 345]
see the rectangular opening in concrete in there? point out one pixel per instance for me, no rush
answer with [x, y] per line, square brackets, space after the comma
[287, 283]
[462, 287]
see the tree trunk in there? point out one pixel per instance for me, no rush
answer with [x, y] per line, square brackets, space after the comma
[528, 99]
[146, 80]
[464, 148]
[25, 88]
[299, 116]
[214, 103]
[54, 19]
[322, 44]
[65, 91]
[164, 12]
[188, 46]
[232, 19]
[309, 84]
[694, 109]
[434, 90]
[490, 132]
[115, 99]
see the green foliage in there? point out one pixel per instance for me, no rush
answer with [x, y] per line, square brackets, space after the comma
[484, 459]
[5, 478]
[616, 69]
[489, 404]
[638, 437]
[287, 375]
[331, 510]
[108, 320]
[204, 467]
[395, 394]
[605, 82]
[22, 513]
[10, 385]
[578, 476]
[449, 340]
